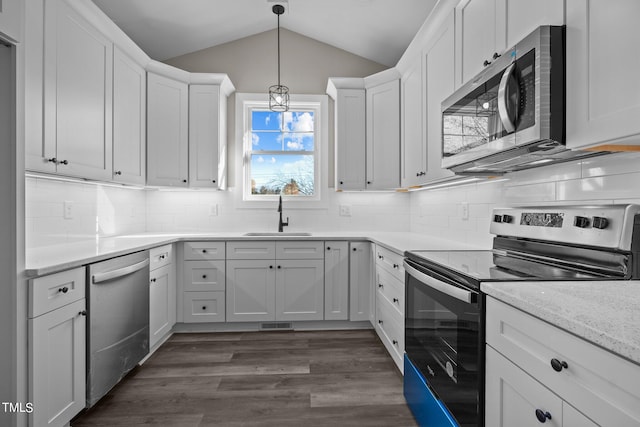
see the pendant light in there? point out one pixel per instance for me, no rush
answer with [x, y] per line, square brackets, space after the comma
[278, 94]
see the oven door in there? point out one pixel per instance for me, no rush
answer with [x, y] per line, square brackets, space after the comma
[444, 340]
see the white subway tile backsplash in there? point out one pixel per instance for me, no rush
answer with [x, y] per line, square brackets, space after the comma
[604, 187]
[612, 164]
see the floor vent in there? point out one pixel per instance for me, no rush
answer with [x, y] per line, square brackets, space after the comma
[280, 326]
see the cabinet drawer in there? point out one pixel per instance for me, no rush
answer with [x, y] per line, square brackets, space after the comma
[204, 250]
[55, 290]
[390, 328]
[299, 250]
[390, 261]
[600, 384]
[160, 256]
[201, 307]
[204, 275]
[257, 249]
[391, 289]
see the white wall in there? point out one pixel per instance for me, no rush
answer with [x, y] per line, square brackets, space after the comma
[98, 210]
[607, 179]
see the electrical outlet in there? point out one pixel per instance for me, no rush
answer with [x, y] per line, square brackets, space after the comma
[68, 209]
[465, 211]
[213, 210]
[345, 210]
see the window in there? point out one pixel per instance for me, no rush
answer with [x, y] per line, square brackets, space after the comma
[282, 151]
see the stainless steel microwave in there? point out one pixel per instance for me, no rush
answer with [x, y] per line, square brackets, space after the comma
[511, 116]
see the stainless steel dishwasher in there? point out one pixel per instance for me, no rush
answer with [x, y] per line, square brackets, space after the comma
[118, 316]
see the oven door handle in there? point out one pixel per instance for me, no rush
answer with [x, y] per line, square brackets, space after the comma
[439, 285]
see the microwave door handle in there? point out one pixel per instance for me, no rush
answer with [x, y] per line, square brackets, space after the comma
[438, 285]
[503, 110]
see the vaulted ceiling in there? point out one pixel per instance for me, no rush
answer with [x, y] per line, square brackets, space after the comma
[379, 30]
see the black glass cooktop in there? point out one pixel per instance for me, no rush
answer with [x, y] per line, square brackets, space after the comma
[487, 266]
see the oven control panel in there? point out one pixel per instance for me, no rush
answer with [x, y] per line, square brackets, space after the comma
[607, 226]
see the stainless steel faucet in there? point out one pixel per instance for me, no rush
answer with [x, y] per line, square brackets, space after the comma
[280, 223]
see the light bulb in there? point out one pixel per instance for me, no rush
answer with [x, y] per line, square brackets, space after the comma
[485, 105]
[278, 99]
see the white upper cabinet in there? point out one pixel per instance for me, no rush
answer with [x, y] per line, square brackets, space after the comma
[208, 132]
[77, 94]
[603, 89]
[350, 132]
[439, 69]
[383, 131]
[11, 19]
[129, 120]
[486, 28]
[167, 131]
[414, 148]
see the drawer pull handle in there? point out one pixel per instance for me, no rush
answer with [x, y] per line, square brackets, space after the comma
[380, 285]
[395, 342]
[395, 266]
[380, 322]
[64, 290]
[204, 276]
[558, 365]
[396, 300]
[542, 416]
[82, 313]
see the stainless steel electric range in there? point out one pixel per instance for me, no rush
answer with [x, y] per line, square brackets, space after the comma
[444, 313]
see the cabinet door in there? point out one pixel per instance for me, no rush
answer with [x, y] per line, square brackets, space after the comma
[251, 290]
[299, 289]
[572, 418]
[167, 131]
[161, 305]
[336, 281]
[11, 18]
[477, 39]
[414, 147]
[603, 93]
[439, 70]
[383, 136]
[524, 16]
[78, 93]
[57, 365]
[512, 396]
[360, 280]
[204, 135]
[129, 120]
[350, 139]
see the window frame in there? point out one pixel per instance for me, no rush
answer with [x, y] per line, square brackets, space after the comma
[245, 103]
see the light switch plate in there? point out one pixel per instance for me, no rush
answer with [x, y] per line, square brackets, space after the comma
[345, 210]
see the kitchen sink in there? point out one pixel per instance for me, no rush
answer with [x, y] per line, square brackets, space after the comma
[274, 234]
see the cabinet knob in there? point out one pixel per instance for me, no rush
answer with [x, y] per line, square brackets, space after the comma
[558, 365]
[369, 182]
[271, 266]
[214, 181]
[354, 249]
[395, 265]
[341, 182]
[417, 173]
[153, 280]
[380, 322]
[204, 276]
[395, 342]
[184, 180]
[496, 55]
[52, 160]
[396, 300]
[380, 285]
[542, 416]
[64, 290]
[161, 256]
[328, 248]
[117, 173]
[82, 313]
[63, 162]
[204, 251]
[380, 257]
[486, 62]
[204, 307]
[279, 266]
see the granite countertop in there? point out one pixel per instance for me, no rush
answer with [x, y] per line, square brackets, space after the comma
[51, 259]
[606, 313]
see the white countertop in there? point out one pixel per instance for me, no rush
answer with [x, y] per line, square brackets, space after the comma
[606, 313]
[51, 259]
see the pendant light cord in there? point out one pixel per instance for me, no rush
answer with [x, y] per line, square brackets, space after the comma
[278, 50]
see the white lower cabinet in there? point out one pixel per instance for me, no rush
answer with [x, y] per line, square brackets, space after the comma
[533, 366]
[57, 351]
[279, 288]
[336, 281]
[201, 307]
[162, 294]
[203, 285]
[360, 279]
[389, 320]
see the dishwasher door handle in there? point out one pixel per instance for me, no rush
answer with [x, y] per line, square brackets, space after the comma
[114, 274]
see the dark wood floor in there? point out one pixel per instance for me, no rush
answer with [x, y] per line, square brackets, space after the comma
[319, 378]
